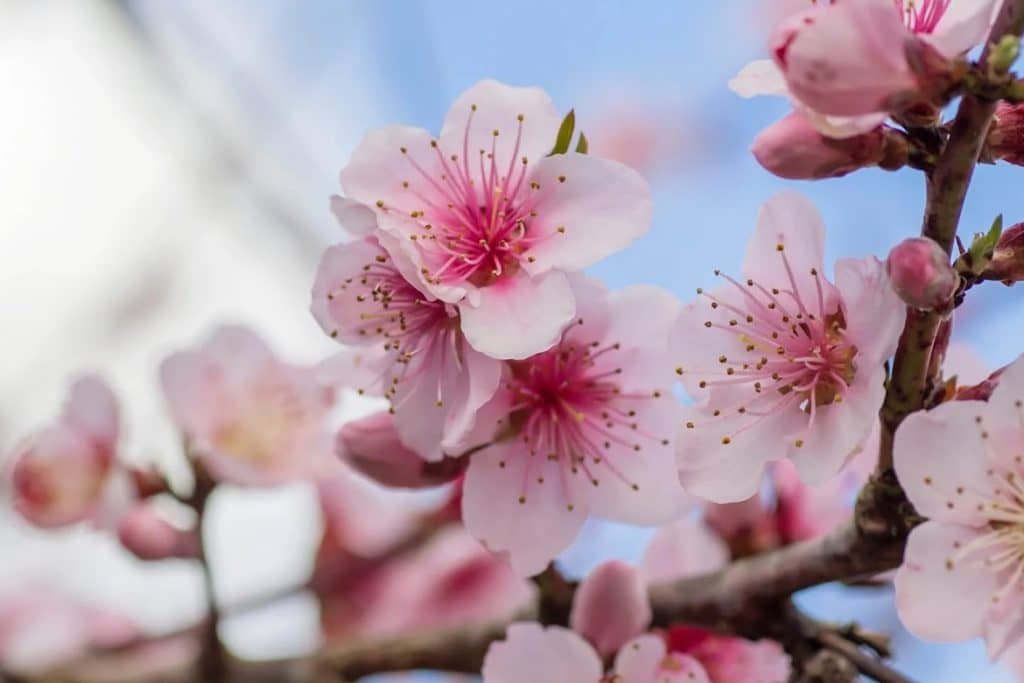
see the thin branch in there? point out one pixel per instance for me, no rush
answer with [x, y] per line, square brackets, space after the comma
[868, 665]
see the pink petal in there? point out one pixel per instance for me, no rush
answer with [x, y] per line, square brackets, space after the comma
[938, 601]
[874, 313]
[371, 445]
[491, 106]
[191, 387]
[92, 408]
[965, 24]
[536, 654]
[378, 168]
[760, 77]
[610, 607]
[530, 533]
[476, 384]
[791, 220]
[353, 217]
[929, 459]
[589, 208]
[643, 316]
[1005, 414]
[682, 549]
[519, 316]
[359, 369]
[646, 660]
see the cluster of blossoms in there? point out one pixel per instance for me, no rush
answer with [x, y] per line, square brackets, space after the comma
[537, 398]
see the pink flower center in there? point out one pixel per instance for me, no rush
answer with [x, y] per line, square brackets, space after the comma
[793, 353]
[411, 326]
[922, 16]
[569, 408]
[475, 217]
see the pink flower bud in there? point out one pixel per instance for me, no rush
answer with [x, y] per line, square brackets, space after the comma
[1006, 136]
[147, 535]
[793, 148]
[920, 273]
[611, 607]
[372, 446]
[1007, 262]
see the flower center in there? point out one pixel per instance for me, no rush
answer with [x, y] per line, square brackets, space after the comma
[266, 419]
[791, 354]
[922, 16]
[474, 221]
[569, 408]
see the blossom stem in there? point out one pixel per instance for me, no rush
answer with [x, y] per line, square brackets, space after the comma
[212, 663]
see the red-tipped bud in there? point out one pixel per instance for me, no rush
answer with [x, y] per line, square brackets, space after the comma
[1006, 136]
[1007, 262]
[921, 274]
[149, 536]
[793, 148]
[371, 445]
[611, 607]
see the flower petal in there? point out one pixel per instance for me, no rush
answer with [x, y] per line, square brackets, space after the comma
[760, 77]
[874, 313]
[355, 218]
[684, 548]
[92, 408]
[378, 170]
[646, 660]
[610, 607]
[533, 653]
[965, 24]
[519, 316]
[589, 208]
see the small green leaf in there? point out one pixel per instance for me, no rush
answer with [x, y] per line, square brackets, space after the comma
[582, 146]
[979, 254]
[565, 131]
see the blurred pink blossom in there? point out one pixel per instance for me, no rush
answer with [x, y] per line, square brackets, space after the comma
[250, 418]
[148, 535]
[610, 607]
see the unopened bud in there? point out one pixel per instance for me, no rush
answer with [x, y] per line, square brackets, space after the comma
[611, 607]
[921, 274]
[793, 148]
[1007, 264]
[149, 536]
[747, 527]
[372, 446]
[1006, 136]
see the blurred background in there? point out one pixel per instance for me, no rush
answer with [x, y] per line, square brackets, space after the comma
[165, 166]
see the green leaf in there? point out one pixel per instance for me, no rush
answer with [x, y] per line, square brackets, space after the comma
[979, 255]
[582, 146]
[565, 131]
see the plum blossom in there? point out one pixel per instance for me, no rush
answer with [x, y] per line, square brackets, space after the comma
[67, 472]
[846, 63]
[586, 428]
[783, 363]
[961, 466]
[410, 345]
[490, 223]
[726, 659]
[250, 418]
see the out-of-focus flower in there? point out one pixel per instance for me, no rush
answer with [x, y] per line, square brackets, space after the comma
[747, 527]
[41, 630]
[683, 548]
[588, 427]
[372, 446]
[491, 223]
[150, 536]
[411, 347]
[727, 660]
[850, 63]
[65, 473]
[920, 273]
[611, 607]
[961, 573]
[249, 418]
[794, 148]
[1007, 262]
[783, 362]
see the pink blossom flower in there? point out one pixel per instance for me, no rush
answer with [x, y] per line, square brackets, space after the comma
[610, 607]
[846, 62]
[587, 429]
[533, 653]
[962, 570]
[148, 535]
[686, 547]
[489, 221]
[726, 659]
[411, 346]
[63, 474]
[783, 362]
[41, 630]
[249, 418]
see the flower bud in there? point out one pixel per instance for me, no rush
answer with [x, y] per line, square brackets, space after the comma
[793, 148]
[611, 607]
[1007, 262]
[1006, 136]
[148, 536]
[921, 274]
[747, 527]
[372, 446]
